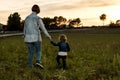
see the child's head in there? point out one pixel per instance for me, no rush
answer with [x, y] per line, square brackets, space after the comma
[63, 37]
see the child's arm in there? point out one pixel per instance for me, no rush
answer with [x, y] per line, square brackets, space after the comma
[54, 44]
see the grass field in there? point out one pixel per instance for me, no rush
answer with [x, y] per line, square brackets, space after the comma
[94, 55]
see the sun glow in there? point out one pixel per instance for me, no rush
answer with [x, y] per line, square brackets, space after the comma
[114, 13]
[87, 10]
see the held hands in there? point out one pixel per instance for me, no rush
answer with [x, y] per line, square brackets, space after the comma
[50, 39]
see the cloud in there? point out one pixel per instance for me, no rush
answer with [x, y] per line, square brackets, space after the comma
[78, 4]
[55, 7]
[98, 3]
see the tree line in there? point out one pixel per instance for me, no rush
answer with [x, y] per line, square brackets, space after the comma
[15, 23]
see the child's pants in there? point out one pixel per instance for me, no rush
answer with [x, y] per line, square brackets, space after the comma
[63, 60]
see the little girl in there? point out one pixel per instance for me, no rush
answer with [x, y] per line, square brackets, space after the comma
[63, 49]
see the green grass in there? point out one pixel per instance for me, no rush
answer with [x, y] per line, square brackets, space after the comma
[94, 55]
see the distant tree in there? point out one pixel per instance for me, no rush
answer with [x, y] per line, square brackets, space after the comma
[55, 19]
[118, 22]
[115, 25]
[78, 21]
[59, 20]
[47, 21]
[13, 22]
[71, 23]
[112, 24]
[75, 22]
[21, 25]
[103, 18]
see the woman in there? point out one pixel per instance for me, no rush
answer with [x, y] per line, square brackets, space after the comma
[32, 36]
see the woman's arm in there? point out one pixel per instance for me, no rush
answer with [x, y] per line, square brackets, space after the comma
[42, 27]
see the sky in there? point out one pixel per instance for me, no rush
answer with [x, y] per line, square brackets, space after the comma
[88, 11]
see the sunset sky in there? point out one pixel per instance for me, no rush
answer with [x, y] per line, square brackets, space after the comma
[87, 10]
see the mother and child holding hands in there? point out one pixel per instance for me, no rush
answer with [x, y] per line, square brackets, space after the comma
[32, 36]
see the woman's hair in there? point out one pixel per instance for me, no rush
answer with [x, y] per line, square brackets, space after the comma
[36, 9]
[63, 37]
